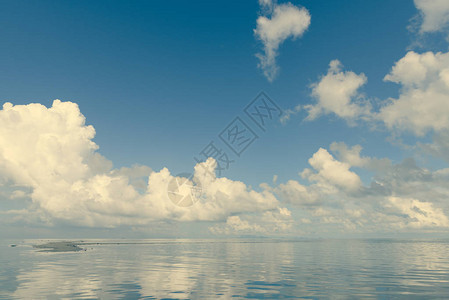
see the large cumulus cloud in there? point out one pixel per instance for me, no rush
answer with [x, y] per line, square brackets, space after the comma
[51, 152]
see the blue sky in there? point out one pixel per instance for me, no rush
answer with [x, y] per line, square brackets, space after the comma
[159, 80]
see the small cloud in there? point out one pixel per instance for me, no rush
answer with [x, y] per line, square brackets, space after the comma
[337, 92]
[331, 171]
[266, 3]
[288, 113]
[283, 21]
[274, 221]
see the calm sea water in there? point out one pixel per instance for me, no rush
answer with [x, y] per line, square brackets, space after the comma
[222, 269]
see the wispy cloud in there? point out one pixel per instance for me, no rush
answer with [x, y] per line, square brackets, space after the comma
[288, 113]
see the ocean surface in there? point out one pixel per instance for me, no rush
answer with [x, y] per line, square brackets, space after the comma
[224, 269]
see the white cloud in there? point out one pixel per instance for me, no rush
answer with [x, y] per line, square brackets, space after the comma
[294, 192]
[330, 172]
[418, 214]
[288, 113]
[51, 152]
[17, 194]
[435, 14]
[346, 219]
[423, 103]
[439, 146]
[401, 196]
[266, 3]
[328, 177]
[352, 157]
[236, 224]
[337, 93]
[224, 197]
[270, 222]
[286, 21]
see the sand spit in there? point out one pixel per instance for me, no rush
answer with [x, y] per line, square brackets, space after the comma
[62, 246]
